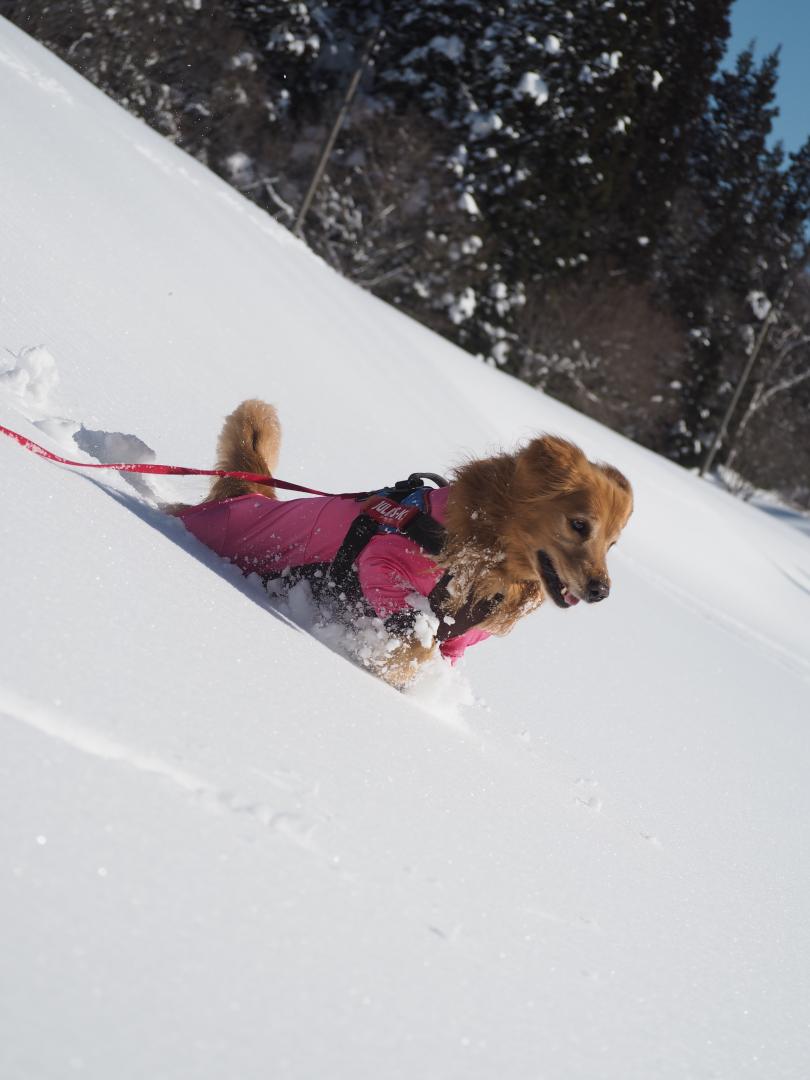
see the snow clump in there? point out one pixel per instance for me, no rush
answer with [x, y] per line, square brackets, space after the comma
[452, 47]
[467, 202]
[463, 307]
[532, 86]
[33, 377]
[438, 687]
[760, 304]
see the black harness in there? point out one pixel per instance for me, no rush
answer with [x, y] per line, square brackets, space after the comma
[399, 510]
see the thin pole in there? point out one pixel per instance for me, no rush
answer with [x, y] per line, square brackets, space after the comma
[328, 146]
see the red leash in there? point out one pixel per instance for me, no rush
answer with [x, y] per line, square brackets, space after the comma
[166, 470]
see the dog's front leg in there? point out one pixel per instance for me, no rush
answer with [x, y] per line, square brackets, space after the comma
[401, 666]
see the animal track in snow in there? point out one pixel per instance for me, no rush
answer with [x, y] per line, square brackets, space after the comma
[587, 796]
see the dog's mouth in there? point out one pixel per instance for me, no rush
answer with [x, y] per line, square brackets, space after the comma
[559, 591]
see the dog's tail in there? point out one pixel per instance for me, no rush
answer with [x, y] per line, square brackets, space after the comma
[249, 442]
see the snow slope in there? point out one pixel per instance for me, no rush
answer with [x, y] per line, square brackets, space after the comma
[226, 851]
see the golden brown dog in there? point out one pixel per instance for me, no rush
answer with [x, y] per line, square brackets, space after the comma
[519, 527]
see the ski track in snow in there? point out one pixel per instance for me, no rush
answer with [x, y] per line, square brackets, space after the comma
[37, 78]
[780, 653]
[797, 575]
[293, 826]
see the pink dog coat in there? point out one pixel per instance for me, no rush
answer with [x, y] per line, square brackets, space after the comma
[266, 536]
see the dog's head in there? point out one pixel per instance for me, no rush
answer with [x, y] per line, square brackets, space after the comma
[566, 514]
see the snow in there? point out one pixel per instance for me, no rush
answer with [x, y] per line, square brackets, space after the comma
[760, 304]
[612, 60]
[533, 86]
[468, 204]
[463, 306]
[31, 376]
[471, 245]
[226, 849]
[452, 47]
[241, 167]
[483, 124]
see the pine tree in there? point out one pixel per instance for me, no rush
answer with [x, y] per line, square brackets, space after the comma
[737, 231]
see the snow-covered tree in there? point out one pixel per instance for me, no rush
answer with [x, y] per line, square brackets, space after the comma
[737, 229]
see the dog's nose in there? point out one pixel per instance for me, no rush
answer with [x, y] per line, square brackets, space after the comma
[596, 590]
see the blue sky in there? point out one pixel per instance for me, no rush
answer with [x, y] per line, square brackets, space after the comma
[785, 23]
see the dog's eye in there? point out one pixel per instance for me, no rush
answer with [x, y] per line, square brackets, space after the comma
[579, 526]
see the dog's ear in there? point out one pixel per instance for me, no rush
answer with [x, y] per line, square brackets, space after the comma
[616, 497]
[550, 465]
[623, 499]
[618, 478]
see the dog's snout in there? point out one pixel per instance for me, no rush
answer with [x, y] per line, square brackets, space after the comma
[596, 590]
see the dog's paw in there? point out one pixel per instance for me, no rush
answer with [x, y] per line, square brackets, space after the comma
[401, 666]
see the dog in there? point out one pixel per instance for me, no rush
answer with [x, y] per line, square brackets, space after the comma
[507, 532]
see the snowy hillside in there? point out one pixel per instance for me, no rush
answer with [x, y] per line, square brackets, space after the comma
[226, 851]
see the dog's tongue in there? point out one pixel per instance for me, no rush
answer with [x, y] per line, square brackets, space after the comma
[570, 599]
